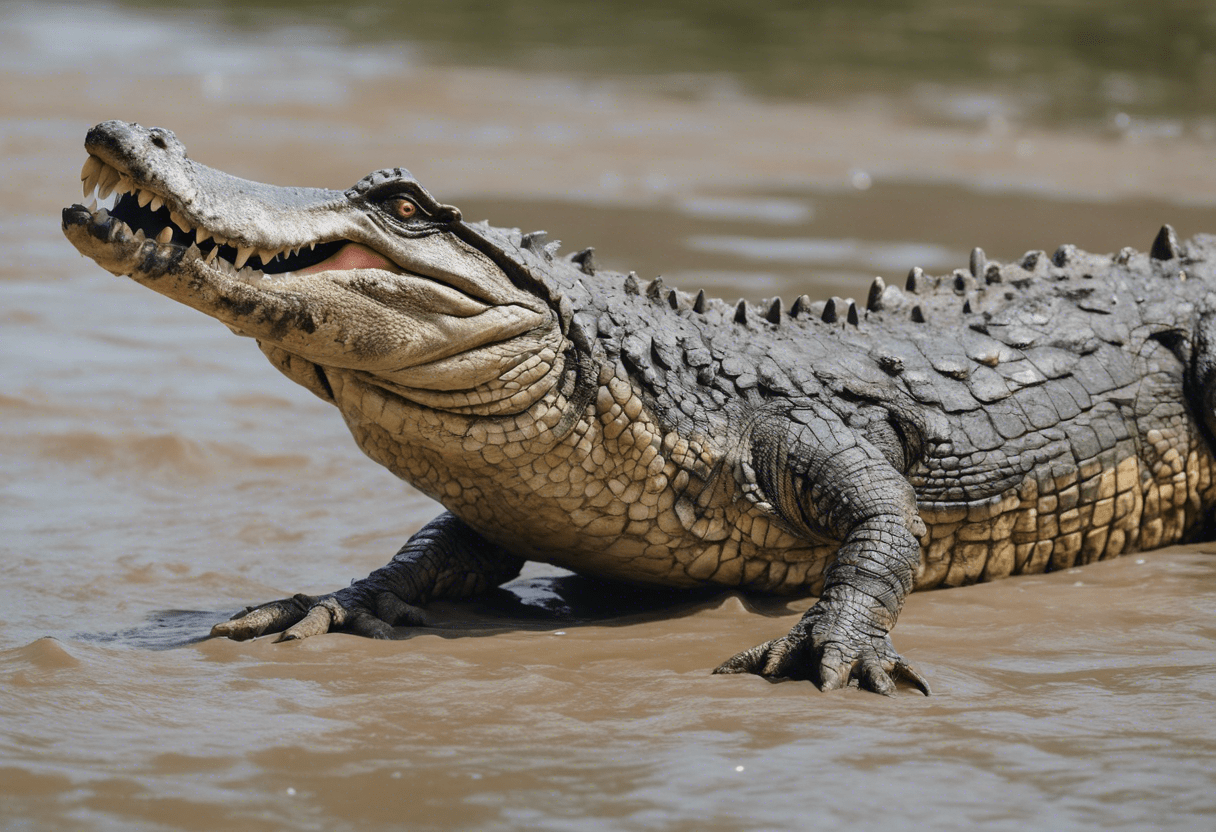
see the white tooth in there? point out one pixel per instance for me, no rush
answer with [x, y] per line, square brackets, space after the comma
[202, 234]
[312, 245]
[124, 185]
[211, 255]
[92, 205]
[140, 235]
[179, 221]
[193, 252]
[165, 235]
[90, 173]
[243, 253]
[92, 167]
[105, 185]
[144, 198]
[267, 255]
[247, 273]
[157, 202]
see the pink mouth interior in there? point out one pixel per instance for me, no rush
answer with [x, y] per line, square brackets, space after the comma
[353, 256]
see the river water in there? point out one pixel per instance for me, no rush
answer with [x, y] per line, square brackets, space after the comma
[156, 473]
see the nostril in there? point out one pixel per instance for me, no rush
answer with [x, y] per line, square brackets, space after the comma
[159, 141]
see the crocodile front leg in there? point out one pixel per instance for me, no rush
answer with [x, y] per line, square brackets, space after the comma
[445, 559]
[826, 479]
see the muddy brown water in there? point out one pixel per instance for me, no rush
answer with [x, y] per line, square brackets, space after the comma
[156, 474]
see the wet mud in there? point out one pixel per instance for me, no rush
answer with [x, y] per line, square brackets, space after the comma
[157, 474]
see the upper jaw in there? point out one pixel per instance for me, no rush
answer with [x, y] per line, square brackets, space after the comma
[168, 198]
[170, 208]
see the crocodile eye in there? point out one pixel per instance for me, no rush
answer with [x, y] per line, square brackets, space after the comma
[403, 209]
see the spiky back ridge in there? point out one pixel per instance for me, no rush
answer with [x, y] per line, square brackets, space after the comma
[957, 341]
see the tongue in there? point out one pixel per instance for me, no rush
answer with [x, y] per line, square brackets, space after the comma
[353, 256]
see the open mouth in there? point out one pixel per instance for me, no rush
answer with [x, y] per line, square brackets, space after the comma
[144, 215]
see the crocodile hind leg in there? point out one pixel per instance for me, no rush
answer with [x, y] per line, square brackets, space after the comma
[824, 478]
[445, 559]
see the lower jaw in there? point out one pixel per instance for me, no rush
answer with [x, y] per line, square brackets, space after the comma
[114, 246]
[119, 249]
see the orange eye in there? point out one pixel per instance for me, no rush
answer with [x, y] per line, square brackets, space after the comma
[405, 209]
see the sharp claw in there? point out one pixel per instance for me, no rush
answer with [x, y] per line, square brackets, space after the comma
[746, 662]
[879, 683]
[315, 623]
[225, 629]
[914, 678]
[244, 626]
[829, 679]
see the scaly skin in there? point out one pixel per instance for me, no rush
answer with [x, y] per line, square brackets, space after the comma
[1004, 419]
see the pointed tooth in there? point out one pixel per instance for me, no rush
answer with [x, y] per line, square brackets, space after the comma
[94, 174]
[312, 245]
[143, 198]
[243, 253]
[211, 255]
[125, 185]
[192, 251]
[180, 221]
[157, 202]
[93, 205]
[202, 235]
[165, 235]
[267, 255]
[105, 185]
[140, 236]
[92, 167]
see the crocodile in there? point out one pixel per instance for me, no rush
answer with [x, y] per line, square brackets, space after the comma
[1007, 418]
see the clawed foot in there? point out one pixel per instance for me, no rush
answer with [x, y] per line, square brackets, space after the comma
[831, 661]
[302, 616]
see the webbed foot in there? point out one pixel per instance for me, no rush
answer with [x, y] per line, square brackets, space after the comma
[830, 656]
[301, 616]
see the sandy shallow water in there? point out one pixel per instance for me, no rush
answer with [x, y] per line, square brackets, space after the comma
[156, 474]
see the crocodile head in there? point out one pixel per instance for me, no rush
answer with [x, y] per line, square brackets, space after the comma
[380, 279]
